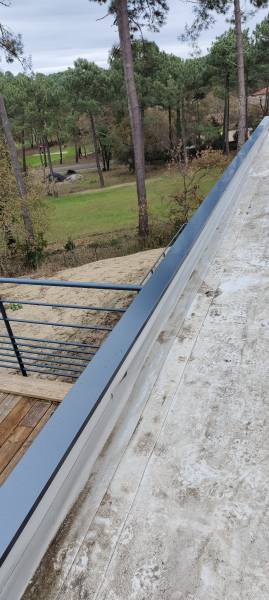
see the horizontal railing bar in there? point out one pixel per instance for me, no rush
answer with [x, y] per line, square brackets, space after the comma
[54, 323]
[5, 354]
[51, 355]
[46, 362]
[14, 362]
[23, 351]
[6, 343]
[80, 307]
[87, 352]
[79, 344]
[7, 350]
[26, 360]
[60, 374]
[38, 371]
[163, 254]
[53, 368]
[53, 371]
[21, 345]
[72, 284]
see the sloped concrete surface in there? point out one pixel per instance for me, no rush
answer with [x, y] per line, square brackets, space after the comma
[186, 514]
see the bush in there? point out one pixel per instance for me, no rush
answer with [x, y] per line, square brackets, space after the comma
[13, 240]
[70, 245]
[34, 253]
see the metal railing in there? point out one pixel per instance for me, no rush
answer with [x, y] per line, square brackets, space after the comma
[47, 355]
[162, 255]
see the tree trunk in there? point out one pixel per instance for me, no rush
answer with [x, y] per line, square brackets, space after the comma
[49, 156]
[226, 118]
[44, 154]
[198, 139]
[183, 132]
[24, 165]
[76, 152]
[103, 158]
[265, 109]
[50, 166]
[40, 155]
[17, 170]
[170, 130]
[107, 158]
[178, 125]
[242, 121]
[246, 96]
[96, 150]
[60, 149]
[134, 112]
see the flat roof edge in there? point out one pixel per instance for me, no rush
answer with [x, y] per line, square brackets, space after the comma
[47, 455]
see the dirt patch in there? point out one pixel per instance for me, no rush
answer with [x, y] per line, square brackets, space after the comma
[125, 269]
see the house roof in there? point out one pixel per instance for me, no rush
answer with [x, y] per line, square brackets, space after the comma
[261, 92]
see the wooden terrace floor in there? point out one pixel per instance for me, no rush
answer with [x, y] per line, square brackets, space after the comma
[26, 404]
[21, 418]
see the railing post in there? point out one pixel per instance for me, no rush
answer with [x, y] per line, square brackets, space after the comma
[12, 339]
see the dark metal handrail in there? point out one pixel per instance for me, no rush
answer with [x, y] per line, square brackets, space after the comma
[90, 285]
[43, 355]
[162, 255]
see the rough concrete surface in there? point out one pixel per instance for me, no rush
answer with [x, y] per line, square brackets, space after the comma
[185, 516]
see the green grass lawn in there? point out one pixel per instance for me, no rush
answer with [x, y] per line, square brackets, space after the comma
[114, 209]
[33, 160]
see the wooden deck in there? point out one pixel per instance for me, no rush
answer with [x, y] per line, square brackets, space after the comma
[21, 418]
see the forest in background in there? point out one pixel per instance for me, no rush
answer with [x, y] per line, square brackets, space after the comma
[146, 107]
[192, 102]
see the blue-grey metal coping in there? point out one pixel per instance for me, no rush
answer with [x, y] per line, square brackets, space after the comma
[33, 474]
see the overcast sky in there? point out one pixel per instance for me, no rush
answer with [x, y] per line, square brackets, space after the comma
[56, 32]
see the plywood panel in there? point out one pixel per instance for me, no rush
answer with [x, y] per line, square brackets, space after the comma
[55, 391]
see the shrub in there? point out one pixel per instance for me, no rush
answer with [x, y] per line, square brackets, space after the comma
[69, 245]
[13, 241]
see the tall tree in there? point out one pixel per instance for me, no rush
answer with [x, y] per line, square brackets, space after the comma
[12, 46]
[259, 59]
[10, 43]
[127, 16]
[221, 73]
[17, 169]
[87, 88]
[204, 17]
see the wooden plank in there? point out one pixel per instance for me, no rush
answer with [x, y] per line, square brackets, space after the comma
[10, 466]
[35, 413]
[7, 404]
[14, 417]
[31, 387]
[13, 444]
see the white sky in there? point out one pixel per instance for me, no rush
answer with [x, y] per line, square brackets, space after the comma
[56, 32]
